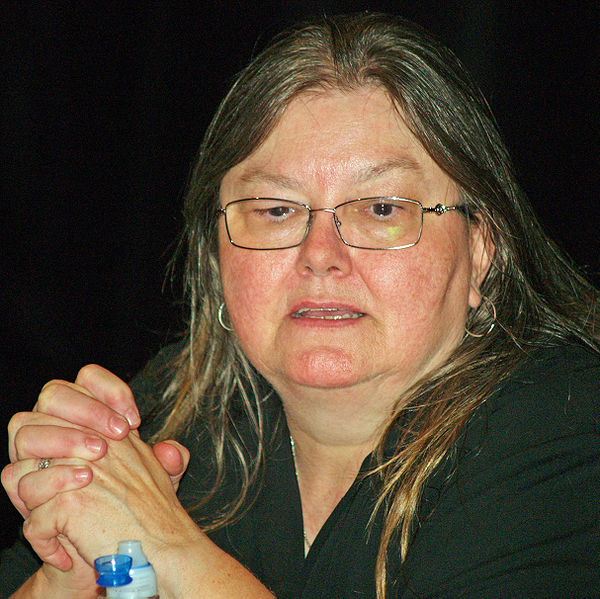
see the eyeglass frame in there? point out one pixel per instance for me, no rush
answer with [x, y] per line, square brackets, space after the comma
[438, 209]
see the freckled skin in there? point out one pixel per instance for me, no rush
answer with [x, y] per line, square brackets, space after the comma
[415, 300]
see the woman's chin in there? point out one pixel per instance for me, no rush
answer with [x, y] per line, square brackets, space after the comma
[324, 368]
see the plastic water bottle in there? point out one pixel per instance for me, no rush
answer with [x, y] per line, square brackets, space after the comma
[127, 574]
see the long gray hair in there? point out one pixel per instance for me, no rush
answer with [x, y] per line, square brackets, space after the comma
[538, 297]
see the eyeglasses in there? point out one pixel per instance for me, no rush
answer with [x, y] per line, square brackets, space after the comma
[381, 223]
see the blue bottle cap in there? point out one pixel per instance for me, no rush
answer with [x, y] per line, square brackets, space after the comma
[113, 570]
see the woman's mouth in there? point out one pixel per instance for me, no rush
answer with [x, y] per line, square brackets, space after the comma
[327, 313]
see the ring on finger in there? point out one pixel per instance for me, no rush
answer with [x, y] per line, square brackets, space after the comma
[44, 463]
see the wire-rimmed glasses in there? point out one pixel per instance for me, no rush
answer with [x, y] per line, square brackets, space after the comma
[378, 223]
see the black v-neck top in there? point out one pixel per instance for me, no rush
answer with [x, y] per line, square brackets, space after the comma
[513, 512]
[270, 542]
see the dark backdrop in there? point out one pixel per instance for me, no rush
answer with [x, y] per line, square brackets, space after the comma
[103, 108]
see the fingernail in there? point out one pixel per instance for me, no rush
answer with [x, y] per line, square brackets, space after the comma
[82, 474]
[118, 425]
[94, 444]
[132, 417]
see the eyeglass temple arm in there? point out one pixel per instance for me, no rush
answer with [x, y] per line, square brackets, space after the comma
[440, 209]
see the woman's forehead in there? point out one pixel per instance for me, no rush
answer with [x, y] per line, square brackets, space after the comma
[361, 132]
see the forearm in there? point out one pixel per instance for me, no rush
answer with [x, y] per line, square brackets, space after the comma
[34, 587]
[207, 571]
[42, 586]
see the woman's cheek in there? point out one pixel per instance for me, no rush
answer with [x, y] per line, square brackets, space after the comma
[254, 289]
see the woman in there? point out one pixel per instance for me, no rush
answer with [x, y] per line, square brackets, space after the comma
[388, 384]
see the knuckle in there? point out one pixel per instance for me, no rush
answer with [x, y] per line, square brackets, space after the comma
[60, 482]
[20, 439]
[123, 394]
[31, 529]
[73, 441]
[98, 415]
[14, 424]
[95, 375]
[89, 372]
[120, 394]
[17, 421]
[7, 476]
[49, 395]
[24, 491]
[28, 527]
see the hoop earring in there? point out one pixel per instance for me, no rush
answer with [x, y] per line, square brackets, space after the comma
[220, 318]
[491, 309]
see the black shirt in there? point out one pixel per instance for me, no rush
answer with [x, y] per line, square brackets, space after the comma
[514, 512]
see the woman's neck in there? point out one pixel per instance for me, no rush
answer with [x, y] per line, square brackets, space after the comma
[332, 434]
[324, 477]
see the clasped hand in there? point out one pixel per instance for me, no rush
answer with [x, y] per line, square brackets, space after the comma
[104, 483]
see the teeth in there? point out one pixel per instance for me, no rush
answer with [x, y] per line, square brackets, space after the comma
[320, 313]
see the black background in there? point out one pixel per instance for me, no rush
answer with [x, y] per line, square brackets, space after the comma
[103, 107]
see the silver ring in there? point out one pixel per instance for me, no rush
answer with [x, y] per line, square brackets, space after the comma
[44, 463]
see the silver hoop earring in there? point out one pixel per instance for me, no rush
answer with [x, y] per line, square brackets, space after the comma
[220, 318]
[492, 309]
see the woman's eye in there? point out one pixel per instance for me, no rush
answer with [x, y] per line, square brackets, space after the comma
[279, 211]
[382, 209]
[274, 213]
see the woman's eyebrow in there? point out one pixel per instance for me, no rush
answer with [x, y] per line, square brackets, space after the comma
[257, 175]
[397, 163]
[362, 175]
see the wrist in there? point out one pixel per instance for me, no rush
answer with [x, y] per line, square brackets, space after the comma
[78, 582]
[180, 565]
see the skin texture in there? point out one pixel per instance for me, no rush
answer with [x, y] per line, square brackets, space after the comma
[328, 148]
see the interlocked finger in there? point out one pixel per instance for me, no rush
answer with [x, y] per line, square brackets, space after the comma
[28, 486]
[38, 435]
[76, 404]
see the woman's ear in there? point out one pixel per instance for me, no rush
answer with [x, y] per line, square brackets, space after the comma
[482, 253]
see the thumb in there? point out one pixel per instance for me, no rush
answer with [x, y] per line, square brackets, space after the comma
[174, 458]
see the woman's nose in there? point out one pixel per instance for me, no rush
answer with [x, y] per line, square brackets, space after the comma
[323, 251]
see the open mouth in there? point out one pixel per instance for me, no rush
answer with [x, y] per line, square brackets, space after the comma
[327, 313]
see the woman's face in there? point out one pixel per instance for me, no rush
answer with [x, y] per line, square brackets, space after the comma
[401, 312]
